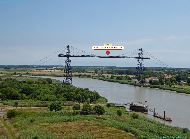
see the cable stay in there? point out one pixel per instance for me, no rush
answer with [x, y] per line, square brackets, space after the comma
[68, 68]
[163, 64]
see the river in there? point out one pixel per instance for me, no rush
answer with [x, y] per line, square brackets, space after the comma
[175, 104]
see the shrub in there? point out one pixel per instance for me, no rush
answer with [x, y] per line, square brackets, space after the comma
[76, 107]
[108, 105]
[11, 114]
[32, 120]
[49, 80]
[119, 112]
[135, 116]
[55, 106]
[75, 113]
[99, 110]
[185, 130]
[87, 109]
[35, 137]
[16, 104]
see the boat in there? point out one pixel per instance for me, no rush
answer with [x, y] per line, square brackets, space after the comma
[137, 107]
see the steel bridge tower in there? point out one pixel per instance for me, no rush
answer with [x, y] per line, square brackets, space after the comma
[68, 69]
[140, 65]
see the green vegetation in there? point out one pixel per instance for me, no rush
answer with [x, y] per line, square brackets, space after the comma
[11, 114]
[86, 109]
[155, 84]
[55, 106]
[58, 124]
[119, 112]
[99, 110]
[163, 78]
[135, 116]
[76, 107]
[44, 90]
[48, 109]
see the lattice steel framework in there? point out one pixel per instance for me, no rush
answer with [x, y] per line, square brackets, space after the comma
[68, 69]
[140, 65]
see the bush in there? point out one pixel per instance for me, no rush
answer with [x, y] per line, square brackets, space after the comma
[185, 130]
[11, 114]
[32, 120]
[55, 106]
[119, 112]
[16, 104]
[135, 116]
[75, 113]
[87, 109]
[49, 80]
[76, 107]
[108, 105]
[35, 137]
[99, 110]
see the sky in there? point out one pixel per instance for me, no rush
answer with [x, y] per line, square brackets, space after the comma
[34, 30]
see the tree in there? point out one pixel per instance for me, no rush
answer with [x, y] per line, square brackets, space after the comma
[119, 112]
[152, 82]
[55, 106]
[96, 71]
[135, 116]
[16, 104]
[127, 77]
[9, 93]
[119, 78]
[76, 107]
[188, 81]
[11, 114]
[161, 79]
[112, 77]
[87, 109]
[99, 110]
[102, 72]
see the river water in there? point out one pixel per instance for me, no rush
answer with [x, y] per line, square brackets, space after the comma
[176, 105]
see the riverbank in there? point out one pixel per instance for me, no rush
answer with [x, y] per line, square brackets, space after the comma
[37, 122]
[174, 88]
[163, 87]
[105, 77]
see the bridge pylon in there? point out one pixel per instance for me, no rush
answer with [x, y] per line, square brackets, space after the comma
[68, 68]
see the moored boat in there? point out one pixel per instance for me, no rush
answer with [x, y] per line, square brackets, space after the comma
[137, 107]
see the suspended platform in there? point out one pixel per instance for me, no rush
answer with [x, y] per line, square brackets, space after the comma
[62, 55]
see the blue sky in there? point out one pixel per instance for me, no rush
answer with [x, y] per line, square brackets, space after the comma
[32, 30]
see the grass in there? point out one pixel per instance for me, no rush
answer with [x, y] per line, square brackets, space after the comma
[87, 129]
[6, 127]
[44, 124]
[27, 103]
[2, 131]
[56, 125]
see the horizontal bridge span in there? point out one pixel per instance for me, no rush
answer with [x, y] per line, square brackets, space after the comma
[62, 55]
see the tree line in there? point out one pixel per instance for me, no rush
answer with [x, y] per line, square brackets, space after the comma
[44, 89]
